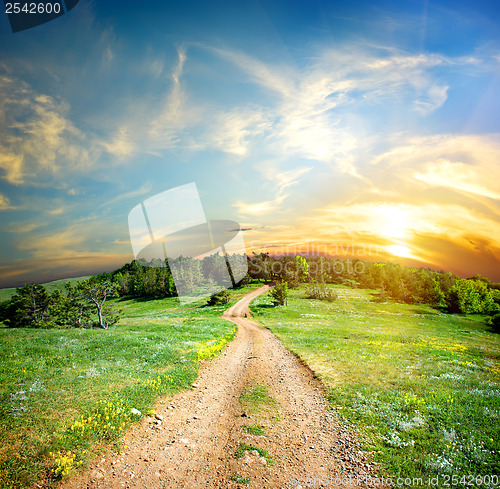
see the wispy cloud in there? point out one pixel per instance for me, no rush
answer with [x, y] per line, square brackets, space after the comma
[460, 176]
[107, 41]
[5, 203]
[259, 208]
[233, 130]
[173, 112]
[281, 181]
[12, 165]
[157, 121]
[144, 189]
[121, 144]
[312, 114]
[279, 79]
[71, 241]
[56, 211]
[24, 227]
[40, 139]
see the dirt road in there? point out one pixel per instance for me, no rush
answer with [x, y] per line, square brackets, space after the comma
[282, 415]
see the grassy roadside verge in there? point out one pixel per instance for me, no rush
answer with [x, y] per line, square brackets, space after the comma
[422, 387]
[65, 395]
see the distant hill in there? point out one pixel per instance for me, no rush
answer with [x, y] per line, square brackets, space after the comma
[6, 294]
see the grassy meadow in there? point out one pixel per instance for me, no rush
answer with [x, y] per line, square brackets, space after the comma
[66, 394]
[422, 387]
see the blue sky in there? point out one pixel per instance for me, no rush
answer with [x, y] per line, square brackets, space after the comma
[365, 129]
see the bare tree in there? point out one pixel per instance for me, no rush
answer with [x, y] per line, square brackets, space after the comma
[96, 292]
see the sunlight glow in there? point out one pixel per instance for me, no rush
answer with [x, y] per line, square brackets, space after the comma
[393, 223]
[399, 250]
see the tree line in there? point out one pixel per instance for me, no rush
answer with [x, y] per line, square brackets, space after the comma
[154, 279]
[444, 290]
[86, 304]
[80, 306]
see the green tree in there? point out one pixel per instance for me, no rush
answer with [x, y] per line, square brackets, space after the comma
[259, 266]
[28, 307]
[74, 311]
[436, 296]
[471, 297]
[302, 268]
[279, 294]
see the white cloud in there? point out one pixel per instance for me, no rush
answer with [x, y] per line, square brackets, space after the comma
[279, 79]
[108, 43]
[282, 180]
[259, 208]
[233, 130]
[460, 176]
[308, 115]
[436, 97]
[38, 136]
[56, 211]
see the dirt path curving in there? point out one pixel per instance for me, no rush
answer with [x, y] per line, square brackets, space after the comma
[283, 416]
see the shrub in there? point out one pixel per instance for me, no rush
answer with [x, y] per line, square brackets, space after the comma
[320, 292]
[221, 297]
[279, 294]
[494, 322]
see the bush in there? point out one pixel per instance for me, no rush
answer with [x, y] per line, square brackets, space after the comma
[350, 283]
[4, 309]
[221, 297]
[320, 292]
[494, 322]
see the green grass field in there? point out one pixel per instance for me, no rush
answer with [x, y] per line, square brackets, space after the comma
[422, 387]
[66, 394]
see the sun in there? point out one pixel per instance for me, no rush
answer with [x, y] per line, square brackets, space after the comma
[399, 250]
[393, 222]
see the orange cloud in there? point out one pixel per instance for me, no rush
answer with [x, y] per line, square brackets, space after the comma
[450, 237]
